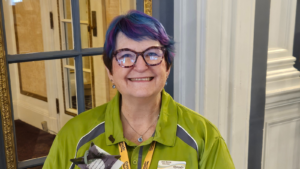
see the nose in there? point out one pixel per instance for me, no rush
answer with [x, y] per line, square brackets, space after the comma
[140, 64]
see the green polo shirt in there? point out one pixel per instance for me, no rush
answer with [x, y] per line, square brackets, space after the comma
[181, 135]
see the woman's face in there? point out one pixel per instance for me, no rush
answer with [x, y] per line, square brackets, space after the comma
[141, 80]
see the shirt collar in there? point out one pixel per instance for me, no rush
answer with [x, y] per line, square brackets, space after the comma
[165, 132]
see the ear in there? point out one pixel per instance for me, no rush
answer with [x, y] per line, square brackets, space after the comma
[168, 71]
[110, 76]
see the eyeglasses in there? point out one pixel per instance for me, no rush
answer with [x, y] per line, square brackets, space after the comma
[127, 58]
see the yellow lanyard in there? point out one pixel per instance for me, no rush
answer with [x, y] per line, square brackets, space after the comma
[125, 159]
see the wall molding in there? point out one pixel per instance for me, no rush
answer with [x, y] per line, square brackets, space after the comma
[274, 105]
[282, 85]
[283, 80]
[280, 64]
[282, 91]
[213, 64]
[287, 74]
[268, 126]
[282, 24]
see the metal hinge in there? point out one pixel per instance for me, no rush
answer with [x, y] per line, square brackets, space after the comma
[57, 106]
[51, 20]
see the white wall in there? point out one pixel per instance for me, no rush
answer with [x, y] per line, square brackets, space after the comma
[213, 65]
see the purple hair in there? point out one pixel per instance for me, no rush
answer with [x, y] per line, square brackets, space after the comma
[137, 26]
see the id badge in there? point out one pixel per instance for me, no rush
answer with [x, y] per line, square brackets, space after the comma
[164, 164]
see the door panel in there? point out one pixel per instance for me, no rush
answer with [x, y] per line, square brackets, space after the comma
[282, 144]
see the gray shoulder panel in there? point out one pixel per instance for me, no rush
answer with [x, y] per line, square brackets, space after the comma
[96, 131]
[186, 137]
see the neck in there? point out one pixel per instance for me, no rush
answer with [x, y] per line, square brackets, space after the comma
[141, 109]
[139, 117]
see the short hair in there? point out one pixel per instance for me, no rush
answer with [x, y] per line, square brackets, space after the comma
[137, 26]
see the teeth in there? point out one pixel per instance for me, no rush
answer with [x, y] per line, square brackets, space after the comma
[140, 79]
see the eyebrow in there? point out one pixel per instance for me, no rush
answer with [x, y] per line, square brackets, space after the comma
[137, 51]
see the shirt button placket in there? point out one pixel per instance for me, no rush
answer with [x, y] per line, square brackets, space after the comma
[134, 158]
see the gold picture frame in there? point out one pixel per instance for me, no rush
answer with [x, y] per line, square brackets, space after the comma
[148, 7]
[5, 107]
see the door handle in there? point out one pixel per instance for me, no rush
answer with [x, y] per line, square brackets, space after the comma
[94, 24]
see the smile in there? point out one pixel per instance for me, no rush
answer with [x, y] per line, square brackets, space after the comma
[141, 79]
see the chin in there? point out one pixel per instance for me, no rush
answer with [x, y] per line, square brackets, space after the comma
[143, 93]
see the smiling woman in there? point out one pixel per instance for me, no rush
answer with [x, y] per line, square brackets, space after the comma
[138, 80]
[142, 122]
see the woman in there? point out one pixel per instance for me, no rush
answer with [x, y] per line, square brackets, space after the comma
[142, 122]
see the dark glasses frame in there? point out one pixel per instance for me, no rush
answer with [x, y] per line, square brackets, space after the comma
[140, 53]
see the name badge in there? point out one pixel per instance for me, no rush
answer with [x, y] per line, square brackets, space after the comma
[163, 164]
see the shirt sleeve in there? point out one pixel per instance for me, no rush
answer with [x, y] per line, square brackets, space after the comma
[57, 157]
[53, 156]
[216, 156]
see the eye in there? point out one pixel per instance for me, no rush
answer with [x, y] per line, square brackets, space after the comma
[152, 54]
[153, 57]
[126, 55]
